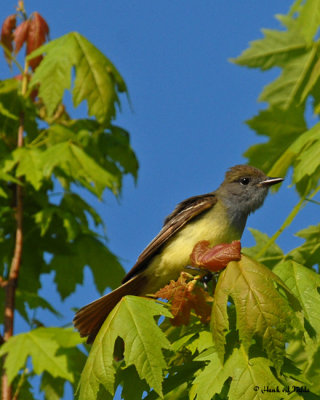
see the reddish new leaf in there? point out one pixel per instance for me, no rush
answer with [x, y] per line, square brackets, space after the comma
[215, 258]
[21, 35]
[37, 34]
[177, 293]
[186, 295]
[7, 29]
[199, 302]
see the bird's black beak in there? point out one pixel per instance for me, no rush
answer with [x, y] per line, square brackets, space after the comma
[270, 181]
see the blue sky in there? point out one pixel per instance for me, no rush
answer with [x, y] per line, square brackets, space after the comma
[188, 110]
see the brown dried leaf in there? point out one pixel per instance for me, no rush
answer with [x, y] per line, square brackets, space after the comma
[185, 295]
[37, 35]
[7, 29]
[215, 258]
[20, 35]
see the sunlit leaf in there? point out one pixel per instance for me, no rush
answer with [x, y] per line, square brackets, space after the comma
[42, 345]
[273, 50]
[269, 258]
[252, 378]
[143, 340]
[211, 379]
[249, 377]
[287, 90]
[308, 254]
[96, 79]
[304, 155]
[79, 166]
[262, 310]
[305, 284]
[308, 20]
[282, 127]
[29, 165]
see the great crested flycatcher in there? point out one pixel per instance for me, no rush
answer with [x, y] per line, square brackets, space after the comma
[218, 217]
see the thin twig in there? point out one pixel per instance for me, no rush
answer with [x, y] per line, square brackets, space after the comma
[11, 58]
[14, 272]
[20, 383]
[3, 282]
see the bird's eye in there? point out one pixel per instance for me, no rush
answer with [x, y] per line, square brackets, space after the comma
[244, 181]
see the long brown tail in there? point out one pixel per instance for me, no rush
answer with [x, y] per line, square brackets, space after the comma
[89, 319]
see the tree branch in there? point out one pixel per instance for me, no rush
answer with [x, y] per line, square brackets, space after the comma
[12, 281]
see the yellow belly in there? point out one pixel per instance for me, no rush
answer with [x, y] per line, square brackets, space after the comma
[174, 256]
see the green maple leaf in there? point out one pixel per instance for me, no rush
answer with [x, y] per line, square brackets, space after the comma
[132, 386]
[282, 127]
[273, 50]
[75, 163]
[86, 250]
[249, 377]
[6, 113]
[52, 387]
[304, 284]
[304, 155]
[42, 345]
[133, 321]
[273, 254]
[96, 79]
[211, 379]
[288, 88]
[33, 301]
[262, 311]
[308, 20]
[118, 148]
[308, 254]
[29, 163]
[12, 107]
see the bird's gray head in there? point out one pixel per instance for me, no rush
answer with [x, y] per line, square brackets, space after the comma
[244, 189]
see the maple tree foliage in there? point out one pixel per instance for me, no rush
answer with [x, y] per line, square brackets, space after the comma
[264, 327]
[254, 325]
[45, 224]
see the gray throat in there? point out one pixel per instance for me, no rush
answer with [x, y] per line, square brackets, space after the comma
[237, 212]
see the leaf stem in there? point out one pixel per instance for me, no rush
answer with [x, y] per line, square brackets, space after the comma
[11, 58]
[20, 383]
[40, 139]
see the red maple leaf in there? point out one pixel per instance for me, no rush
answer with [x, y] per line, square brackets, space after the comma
[21, 35]
[33, 31]
[37, 35]
[7, 29]
[185, 295]
[215, 258]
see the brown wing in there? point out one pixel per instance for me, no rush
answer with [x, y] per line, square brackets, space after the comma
[183, 213]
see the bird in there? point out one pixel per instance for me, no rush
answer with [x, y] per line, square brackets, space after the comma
[218, 217]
